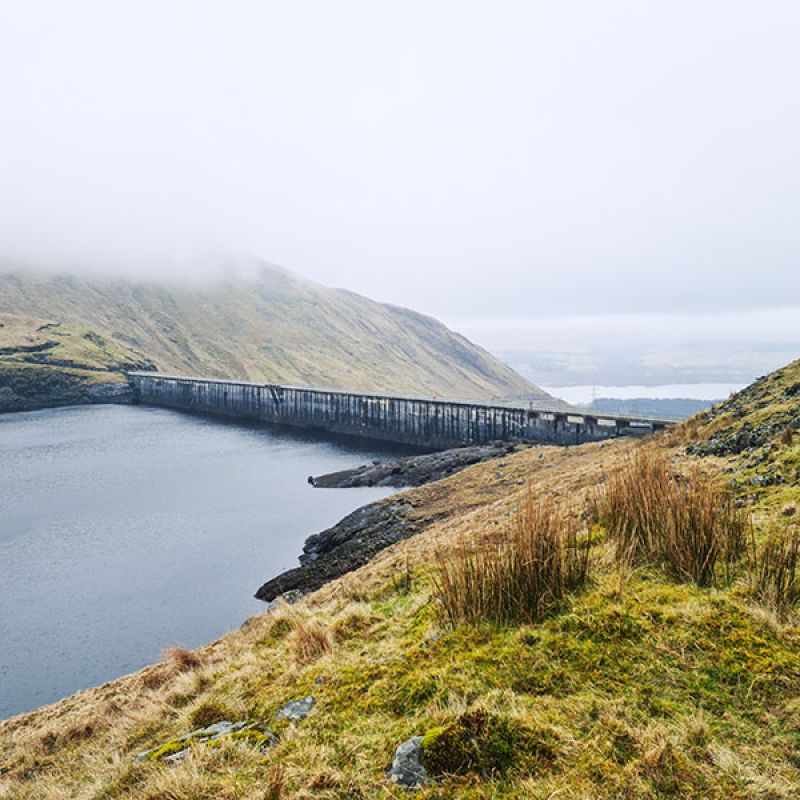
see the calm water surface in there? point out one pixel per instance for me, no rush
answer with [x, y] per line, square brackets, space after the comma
[125, 530]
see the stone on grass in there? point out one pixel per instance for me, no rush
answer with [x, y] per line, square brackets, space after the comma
[406, 769]
[296, 709]
[175, 750]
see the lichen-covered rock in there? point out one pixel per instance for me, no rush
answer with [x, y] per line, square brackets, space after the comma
[175, 750]
[296, 709]
[406, 769]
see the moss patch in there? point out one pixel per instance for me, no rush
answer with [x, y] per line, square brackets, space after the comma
[208, 713]
[479, 742]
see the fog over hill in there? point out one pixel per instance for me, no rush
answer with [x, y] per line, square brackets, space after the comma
[607, 189]
[270, 326]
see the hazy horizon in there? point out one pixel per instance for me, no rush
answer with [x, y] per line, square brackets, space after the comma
[598, 194]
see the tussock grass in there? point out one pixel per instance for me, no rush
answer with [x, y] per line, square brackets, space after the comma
[183, 660]
[311, 639]
[275, 783]
[686, 524]
[353, 621]
[516, 576]
[175, 661]
[774, 579]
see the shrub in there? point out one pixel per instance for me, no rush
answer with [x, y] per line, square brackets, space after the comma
[773, 570]
[517, 576]
[686, 524]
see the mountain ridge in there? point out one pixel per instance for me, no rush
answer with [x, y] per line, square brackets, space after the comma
[274, 327]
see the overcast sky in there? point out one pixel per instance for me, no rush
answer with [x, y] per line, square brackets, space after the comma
[568, 171]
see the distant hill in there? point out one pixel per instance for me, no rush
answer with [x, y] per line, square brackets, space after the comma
[677, 407]
[275, 327]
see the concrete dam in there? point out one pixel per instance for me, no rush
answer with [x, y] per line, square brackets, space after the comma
[423, 423]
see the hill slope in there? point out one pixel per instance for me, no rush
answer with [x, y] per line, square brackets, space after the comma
[641, 684]
[45, 363]
[757, 433]
[274, 328]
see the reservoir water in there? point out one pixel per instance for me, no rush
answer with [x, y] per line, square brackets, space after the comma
[125, 530]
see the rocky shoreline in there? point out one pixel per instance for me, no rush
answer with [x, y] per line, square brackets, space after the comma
[412, 470]
[361, 535]
[65, 393]
[349, 544]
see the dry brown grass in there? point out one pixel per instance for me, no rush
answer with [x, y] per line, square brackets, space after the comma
[174, 661]
[684, 523]
[773, 573]
[276, 783]
[516, 576]
[183, 660]
[311, 639]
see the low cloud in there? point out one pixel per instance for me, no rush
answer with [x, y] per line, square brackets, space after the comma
[560, 164]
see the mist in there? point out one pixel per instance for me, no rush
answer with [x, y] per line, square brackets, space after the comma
[579, 179]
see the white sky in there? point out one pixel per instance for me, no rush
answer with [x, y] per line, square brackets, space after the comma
[526, 171]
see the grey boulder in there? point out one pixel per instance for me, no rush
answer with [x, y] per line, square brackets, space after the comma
[296, 709]
[406, 769]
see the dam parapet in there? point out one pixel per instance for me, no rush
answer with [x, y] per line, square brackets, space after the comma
[419, 422]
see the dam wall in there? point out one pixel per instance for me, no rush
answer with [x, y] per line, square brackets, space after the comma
[423, 423]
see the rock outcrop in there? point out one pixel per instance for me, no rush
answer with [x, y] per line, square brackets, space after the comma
[349, 544]
[412, 470]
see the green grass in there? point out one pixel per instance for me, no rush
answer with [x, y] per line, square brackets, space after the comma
[604, 678]
[659, 690]
[44, 364]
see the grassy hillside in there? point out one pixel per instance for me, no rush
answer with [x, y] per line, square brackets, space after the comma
[273, 328]
[757, 430]
[43, 363]
[669, 668]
